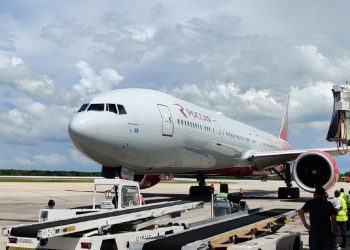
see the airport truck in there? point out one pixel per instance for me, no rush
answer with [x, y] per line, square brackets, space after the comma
[102, 230]
[120, 218]
[122, 222]
[141, 228]
[119, 194]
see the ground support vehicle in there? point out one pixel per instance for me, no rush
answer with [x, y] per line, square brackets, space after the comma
[104, 229]
[277, 241]
[221, 232]
[120, 194]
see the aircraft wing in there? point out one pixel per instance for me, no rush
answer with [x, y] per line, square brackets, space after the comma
[266, 159]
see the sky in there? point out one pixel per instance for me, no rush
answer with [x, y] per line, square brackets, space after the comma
[241, 58]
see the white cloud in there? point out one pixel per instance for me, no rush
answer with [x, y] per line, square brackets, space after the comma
[240, 58]
[15, 73]
[21, 161]
[141, 33]
[6, 40]
[35, 161]
[65, 32]
[312, 125]
[229, 99]
[79, 158]
[91, 83]
[32, 120]
[316, 63]
[52, 159]
[313, 103]
[33, 123]
[310, 106]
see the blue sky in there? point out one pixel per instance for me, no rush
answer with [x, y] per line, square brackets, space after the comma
[237, 57]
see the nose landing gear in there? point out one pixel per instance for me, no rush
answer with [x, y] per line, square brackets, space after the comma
[109, 172]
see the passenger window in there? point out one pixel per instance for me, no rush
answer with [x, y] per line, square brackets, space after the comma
[83, 107]
[112, 108]
[121, 109]
[96, 107]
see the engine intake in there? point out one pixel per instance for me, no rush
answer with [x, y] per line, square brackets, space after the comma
[315, 168]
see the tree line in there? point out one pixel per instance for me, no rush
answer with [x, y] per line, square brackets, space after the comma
[16, 172]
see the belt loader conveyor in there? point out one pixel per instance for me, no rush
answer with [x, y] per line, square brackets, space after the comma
[97, 220]
[221, 234]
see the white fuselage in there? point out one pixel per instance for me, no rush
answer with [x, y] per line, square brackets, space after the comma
[166, 135]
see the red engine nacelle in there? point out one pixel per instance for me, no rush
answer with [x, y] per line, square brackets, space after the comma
[147, 180]
[315, 168]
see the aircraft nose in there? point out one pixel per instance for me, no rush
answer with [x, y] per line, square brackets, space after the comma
[83, 128]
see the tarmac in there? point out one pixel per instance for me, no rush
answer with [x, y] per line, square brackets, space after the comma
[20, 202]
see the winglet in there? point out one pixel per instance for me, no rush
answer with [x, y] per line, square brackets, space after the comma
[284, 126]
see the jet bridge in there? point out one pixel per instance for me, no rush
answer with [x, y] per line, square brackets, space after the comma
[339, 129]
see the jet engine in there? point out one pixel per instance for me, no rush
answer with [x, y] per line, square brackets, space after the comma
[315, 168]
[147, 180]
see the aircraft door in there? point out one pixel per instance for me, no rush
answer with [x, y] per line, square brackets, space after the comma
[167, 120]
[218, 133]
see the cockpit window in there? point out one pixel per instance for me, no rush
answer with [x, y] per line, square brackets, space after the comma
[83, 107]
[121, 109]
[112, 108]
[96, 107]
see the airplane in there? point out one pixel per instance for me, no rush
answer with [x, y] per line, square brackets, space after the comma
[143, 134]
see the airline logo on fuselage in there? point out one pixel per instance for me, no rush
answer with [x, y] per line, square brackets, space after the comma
[190, 113]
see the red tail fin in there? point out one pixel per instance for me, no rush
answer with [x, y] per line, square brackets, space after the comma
[284, 126]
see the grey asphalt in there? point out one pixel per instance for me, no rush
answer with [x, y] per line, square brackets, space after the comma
[20, 202]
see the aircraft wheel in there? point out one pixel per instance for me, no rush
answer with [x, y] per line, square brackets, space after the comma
[282, 193]
[200, 190]
[194, 191]
[294, 193]
[108, 172]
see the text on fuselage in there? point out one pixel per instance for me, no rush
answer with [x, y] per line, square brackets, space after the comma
[188, 112]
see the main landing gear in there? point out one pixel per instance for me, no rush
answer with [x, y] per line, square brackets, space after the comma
[201, 189]
[109, 173]
[289, 191]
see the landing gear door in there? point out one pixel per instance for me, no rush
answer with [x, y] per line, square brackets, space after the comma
[167, 120]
